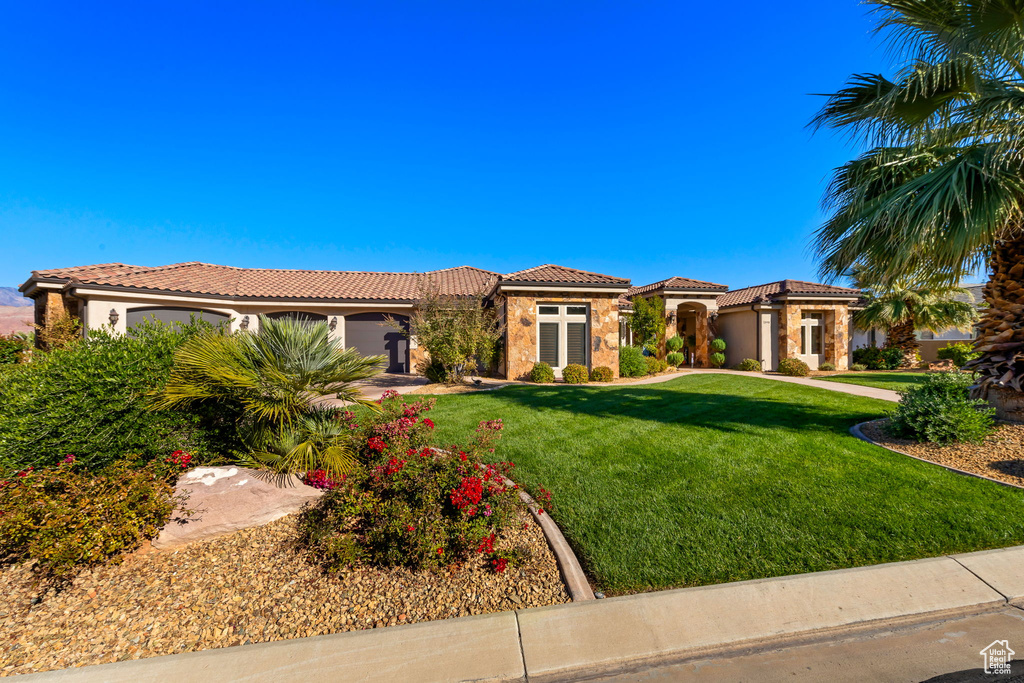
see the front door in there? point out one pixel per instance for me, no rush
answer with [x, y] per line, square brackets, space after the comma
[812, 339]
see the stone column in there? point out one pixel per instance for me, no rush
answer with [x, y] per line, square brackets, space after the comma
[701, 352]
[671, 329]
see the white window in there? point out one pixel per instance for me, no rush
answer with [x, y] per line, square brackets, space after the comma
[812, 334]
[563, 334]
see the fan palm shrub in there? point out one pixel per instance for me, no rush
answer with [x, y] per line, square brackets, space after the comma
[940, 187]
[903, 305]
[275, 375]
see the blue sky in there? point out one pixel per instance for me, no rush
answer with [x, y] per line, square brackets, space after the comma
[641, 139]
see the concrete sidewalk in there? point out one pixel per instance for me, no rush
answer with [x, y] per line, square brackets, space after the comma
[618, 637]
[854, 389]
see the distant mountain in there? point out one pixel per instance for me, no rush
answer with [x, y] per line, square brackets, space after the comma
[10, 296]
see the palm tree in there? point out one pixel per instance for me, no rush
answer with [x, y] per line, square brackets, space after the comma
[904, 305]
[275, 374]
[941, 187]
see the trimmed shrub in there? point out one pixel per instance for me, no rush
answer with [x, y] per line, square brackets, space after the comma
[675, 343]
[858, 367]
[68, 519]
[718, 345]
[632, 362]
[542, 373]
[433, 371]
[602, 374]
[940, 410]
[654, 366]
[717, 360]
[794, 367]
[959, 352]
[878, 359]
[676, 359]
[749, 365]
[575, 374]
[92, 398]
[827, 367]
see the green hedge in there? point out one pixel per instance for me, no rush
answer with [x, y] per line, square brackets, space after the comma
[940, 410]
[91, 399]
[632, 362]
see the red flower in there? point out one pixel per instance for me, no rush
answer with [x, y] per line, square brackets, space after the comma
[440, 551]
[500, 565]
[427, 421]
[410, 528]
[68, 459]
[470, 492]
[375, 443]
[486, 544]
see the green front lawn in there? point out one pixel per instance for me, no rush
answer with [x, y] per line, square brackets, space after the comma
[714, 478]
[880, 379]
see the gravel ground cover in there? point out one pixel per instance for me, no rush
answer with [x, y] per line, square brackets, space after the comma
[250, 587]
[1001, 456]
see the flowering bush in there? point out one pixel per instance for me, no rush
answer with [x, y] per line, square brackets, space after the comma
[66, 518]
[413, 503]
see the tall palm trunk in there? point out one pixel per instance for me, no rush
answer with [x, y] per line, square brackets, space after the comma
[1001, 332]
[902, 337]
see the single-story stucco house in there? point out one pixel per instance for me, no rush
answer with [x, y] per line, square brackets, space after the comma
[550, 313]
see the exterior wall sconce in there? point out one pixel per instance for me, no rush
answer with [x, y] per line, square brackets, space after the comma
[244, 325]
[113, 317]
[334, 323]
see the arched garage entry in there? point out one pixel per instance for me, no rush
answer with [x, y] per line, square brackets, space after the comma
[172, 314]
[371, 334]
[301, 316]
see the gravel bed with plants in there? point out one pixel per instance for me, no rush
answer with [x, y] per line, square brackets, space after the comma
[1000, 456]
[253, 586]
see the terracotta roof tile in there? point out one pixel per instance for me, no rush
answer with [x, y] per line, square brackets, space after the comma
[97, 270]
[771, 290]
[561, 274]
[205, 278]
[683, 283]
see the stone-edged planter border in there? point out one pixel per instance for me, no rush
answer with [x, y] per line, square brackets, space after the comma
[856, 431]
[572, 573]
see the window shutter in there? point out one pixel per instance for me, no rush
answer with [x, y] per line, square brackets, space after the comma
[549, 344]
[576, 343]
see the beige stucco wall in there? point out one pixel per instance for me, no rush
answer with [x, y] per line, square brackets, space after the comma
[521, 329]
[739, 330]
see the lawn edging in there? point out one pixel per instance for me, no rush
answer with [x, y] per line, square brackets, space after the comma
[856, 431]
[572, 572]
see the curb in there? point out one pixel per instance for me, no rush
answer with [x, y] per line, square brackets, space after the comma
[855, 430]
[605, 636]
[568, 565]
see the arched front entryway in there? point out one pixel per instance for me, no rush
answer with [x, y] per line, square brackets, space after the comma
[373, 335]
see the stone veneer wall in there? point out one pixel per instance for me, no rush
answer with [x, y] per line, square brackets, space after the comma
[521, 330]
[837, 342]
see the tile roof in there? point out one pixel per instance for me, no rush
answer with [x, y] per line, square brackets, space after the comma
[206, 278]
[683, 283]
[625, 303]
[560, 274]
[97, 270]
[767, 292]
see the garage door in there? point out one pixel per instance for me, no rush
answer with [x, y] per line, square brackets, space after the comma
[372, 336]
[170, 315]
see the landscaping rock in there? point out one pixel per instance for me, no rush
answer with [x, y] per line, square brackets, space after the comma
[1000, 456]
[223, 500]
[253, 586]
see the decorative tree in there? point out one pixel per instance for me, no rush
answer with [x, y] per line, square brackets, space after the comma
[941, 188]
[648, 320]
[907, 304]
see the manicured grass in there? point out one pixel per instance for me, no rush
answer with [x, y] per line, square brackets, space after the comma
[880, 379]
[714, 478]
